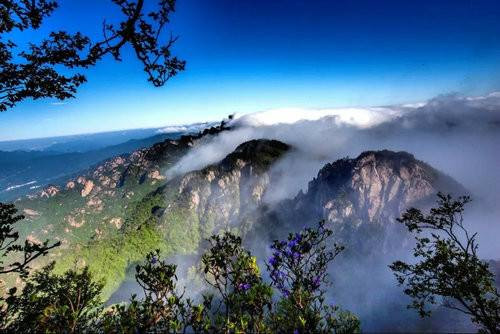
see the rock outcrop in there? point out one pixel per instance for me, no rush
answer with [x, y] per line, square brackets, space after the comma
[87, 188]
[227, 193]
[374, 187]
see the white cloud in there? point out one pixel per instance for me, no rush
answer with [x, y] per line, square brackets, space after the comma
[190, 128]
[360, 117]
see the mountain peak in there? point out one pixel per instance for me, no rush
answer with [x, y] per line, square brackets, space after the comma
[260, 152]
[375, 185]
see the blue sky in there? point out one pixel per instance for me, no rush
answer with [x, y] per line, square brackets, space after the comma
[246, 56]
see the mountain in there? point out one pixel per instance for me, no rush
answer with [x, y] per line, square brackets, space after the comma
[81, 142]
[375, 187]
[112, 215]
[23, 171]
[98, 215]
[221, 196]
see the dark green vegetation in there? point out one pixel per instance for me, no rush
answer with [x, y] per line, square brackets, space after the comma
[21, 255]
[109, 217]
[237, 300]
[45, 69]
[51, 303]
[449, 270]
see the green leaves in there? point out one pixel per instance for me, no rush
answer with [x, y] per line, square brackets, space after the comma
[55, 303]
[24, 254]
[43, 70]
[448, 265]
[235, 277]
[298, 268]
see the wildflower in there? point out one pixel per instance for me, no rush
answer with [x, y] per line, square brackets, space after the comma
[316, 282]
[244, 286]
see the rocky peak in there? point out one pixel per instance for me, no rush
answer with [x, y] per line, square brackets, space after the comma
[260, 153]
[374, 186]
[225, 193]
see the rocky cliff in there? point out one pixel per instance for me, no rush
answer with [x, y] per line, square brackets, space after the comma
[374, 187]
[225, 195]
[361, 199]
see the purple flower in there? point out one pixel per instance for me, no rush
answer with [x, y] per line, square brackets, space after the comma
[296, 331]
[244, 286]
[154, 259]
[316, 282]
[286, 293]
[272, 261]
[292, 243]
[296, 255]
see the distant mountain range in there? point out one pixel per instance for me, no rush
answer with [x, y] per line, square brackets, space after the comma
[35, 163]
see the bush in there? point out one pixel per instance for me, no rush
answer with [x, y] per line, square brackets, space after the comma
[298, 268]
[238, 300]
[51, 303]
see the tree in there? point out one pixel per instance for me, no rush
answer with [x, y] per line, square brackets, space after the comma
[243, 299]
[51, 303]
[298, 268]
[448, 268]
[163, 309]
[23, 255]
[47, 69]
[19, 255]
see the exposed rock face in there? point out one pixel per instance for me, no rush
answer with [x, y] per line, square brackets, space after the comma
[229, 192]
[156, 175]
[87, 188]
[31, 212]
[73, 222]
[117, 222]
[95, 203]
[50, 191]
[375, 186]
[33, 240]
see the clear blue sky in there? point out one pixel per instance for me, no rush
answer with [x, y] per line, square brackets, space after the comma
[245, 56]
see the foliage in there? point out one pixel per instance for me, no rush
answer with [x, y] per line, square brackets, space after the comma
[162, 309]
[448, 267]
[51, 303]
[9, 246]
[242, 296]
[23, 254]
[238, 299]
[42, 71]
[109, 258]
[298, 267]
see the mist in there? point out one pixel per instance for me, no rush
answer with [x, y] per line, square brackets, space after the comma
[457, 135]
